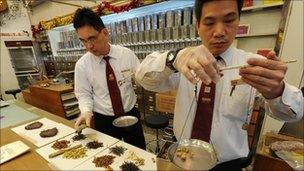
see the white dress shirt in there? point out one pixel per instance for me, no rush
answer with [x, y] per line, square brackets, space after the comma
[229, 113]
[91, 88]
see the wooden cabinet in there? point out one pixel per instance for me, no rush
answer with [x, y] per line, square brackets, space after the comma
[56, 99]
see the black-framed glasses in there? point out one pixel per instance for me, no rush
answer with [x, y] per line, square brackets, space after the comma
[91, 40]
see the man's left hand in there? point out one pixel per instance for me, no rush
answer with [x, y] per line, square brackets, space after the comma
[266, 75]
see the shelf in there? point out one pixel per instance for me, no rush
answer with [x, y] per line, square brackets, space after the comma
[70, 49]
[256, 35]
[161, 42]
[256, 7]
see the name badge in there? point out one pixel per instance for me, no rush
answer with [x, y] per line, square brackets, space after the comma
[126, 73]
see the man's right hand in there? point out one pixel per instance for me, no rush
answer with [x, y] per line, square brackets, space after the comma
[197, 62]
[84, 118]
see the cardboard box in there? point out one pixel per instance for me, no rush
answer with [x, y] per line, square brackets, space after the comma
[165, 102]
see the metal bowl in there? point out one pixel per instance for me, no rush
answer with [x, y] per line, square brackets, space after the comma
[203, 156]
[126, 122]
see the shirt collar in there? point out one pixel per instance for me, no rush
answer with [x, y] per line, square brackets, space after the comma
[113, 54]
[227, 55]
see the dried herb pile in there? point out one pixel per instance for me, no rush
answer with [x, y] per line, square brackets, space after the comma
[94, 144]
[79, 137]
[60, 144]
[103, 161]
[118, 150]
[129, 166]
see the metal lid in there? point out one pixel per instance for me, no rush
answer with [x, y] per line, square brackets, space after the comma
[125, 121]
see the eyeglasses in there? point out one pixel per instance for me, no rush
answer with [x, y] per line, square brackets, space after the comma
[91, 40]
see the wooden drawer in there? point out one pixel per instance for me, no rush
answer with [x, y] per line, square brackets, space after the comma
[149, 109]
[149, 100]
[51, 72]
[137, 89]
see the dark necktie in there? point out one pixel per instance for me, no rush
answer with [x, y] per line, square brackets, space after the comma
[201, 128]
[113, 89]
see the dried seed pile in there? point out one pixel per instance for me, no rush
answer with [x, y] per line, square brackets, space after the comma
[137, 160]
[94, 144]
[75, 153]
[104, 161]
[129, 166]
[118, 150]
[60, 144]
[78, 137]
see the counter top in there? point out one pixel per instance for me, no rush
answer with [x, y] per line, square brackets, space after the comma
[32, 160]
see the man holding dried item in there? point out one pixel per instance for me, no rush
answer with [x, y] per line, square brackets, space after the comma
[218, 111]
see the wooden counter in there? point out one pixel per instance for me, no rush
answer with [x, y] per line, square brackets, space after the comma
[32, 160]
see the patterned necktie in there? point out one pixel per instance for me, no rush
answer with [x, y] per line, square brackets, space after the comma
[113, 89]
[201, 128]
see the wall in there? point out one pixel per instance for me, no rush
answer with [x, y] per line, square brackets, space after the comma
[8, 78]
[292, 48]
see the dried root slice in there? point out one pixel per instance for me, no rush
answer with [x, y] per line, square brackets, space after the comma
[49, 132]
[34, 125]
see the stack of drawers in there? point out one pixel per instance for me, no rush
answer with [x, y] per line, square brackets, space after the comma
[50, 68]
[145, 101]
[149, 102]
[70, 104]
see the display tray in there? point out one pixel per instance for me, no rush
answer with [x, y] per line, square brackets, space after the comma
[34, 137]
[149, 159]
[61, 163]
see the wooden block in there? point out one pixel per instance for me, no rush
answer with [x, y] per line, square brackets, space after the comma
[254, 117]
[251, 129]
[250, 139]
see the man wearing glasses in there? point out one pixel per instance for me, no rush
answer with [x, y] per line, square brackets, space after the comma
[103, 84]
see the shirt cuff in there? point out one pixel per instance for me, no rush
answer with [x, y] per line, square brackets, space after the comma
[286, 101]
[85, 110]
